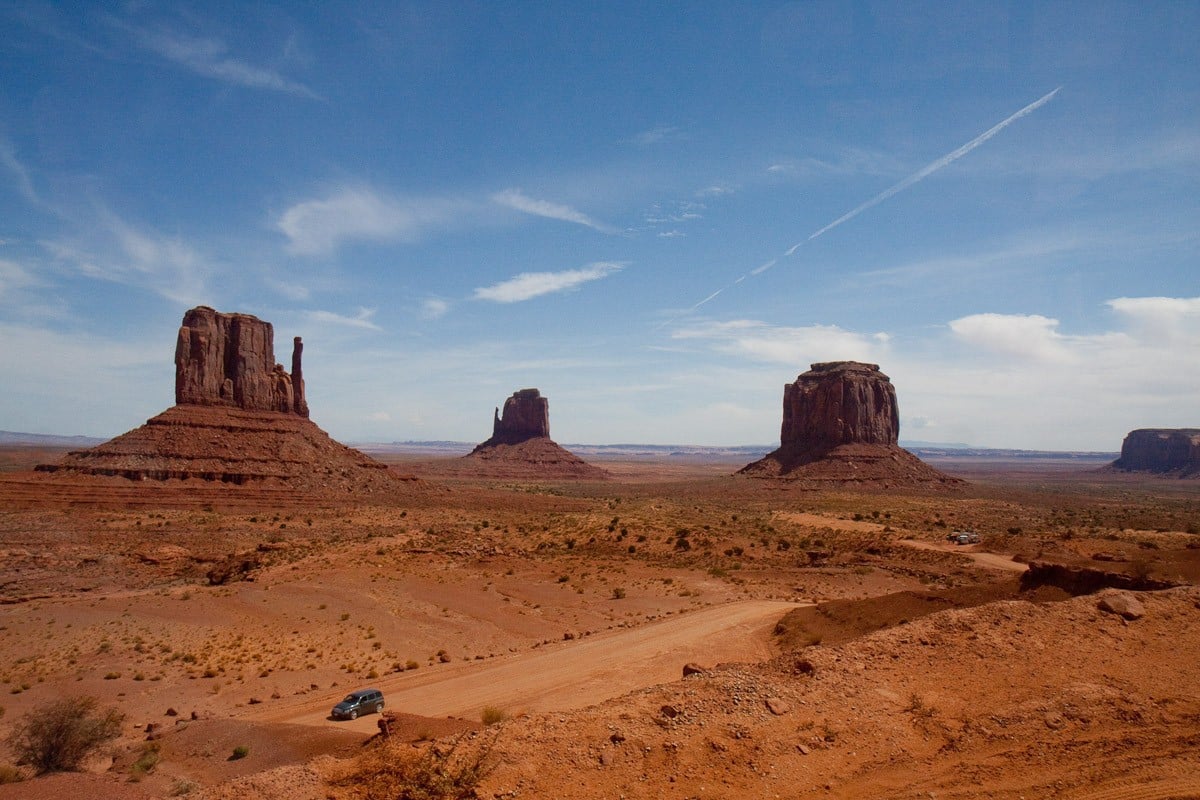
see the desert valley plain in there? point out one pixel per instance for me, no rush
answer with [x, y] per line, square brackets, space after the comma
[641, 624]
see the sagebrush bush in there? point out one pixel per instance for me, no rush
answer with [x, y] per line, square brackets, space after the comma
[61, 735]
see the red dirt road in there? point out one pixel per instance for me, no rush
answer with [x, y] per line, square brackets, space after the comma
[563, 676]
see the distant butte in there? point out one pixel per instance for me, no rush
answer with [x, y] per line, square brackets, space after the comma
[841, 423]
[239, 418]
[520, 444]
[1165, 451]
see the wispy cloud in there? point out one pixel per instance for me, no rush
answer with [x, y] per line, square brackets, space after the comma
[657, 135]
[114, 250]
[316, 227]
[209, 58]
[360, 320]
[779, 344]
[529, 285]
[845, 161]
[13, 278]
[8, 157]
[515, 199]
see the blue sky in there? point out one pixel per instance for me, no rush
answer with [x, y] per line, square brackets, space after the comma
[452, 201]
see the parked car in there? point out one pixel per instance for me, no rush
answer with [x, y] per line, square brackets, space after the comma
[364, 701]
[967, 537]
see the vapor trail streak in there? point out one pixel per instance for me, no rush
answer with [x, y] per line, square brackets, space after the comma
[916, 177]
[933, 167]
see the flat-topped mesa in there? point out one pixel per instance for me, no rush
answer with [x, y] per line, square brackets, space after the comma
[1162, 450]
[841, 423]
[229, 360]
[526, 415]
[839, 402]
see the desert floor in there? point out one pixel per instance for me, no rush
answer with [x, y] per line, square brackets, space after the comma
[539, 629]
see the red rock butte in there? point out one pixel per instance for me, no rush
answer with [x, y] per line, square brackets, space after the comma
[1165, 451]
[520, 445]
[239, 418]
[841, 423]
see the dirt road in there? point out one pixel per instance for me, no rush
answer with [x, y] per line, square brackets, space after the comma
[983, 559]
[562, 676]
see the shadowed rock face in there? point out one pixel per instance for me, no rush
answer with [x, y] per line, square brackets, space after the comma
[526, 416]
[229, 360]
[840, 402]
[1167, 450]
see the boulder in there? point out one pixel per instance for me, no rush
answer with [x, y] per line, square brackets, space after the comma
[1161, 450]
[1123, 604]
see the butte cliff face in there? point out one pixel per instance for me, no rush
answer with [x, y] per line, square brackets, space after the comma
[229, 360]
[520, 445]
[1168, 451]
[239, 418]
[841, 422]
[526, 416]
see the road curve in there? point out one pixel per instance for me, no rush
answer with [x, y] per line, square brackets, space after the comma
[562, 676]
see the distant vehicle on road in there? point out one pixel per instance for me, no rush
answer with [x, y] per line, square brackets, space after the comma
[965, 537]
[364, 701]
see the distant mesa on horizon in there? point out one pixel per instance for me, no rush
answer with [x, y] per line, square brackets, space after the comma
[520, 444]
[841, 423]
[1164, 451]
[239, 418]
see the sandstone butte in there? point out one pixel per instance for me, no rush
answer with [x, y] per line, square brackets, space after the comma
[520, 444]
[239, 418]
[841, 423]
[1168, 451]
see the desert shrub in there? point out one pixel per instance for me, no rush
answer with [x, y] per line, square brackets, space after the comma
[60, 736]
[241, 751]
[490, 715]
[438, 772]
[146, 761]
[618, 593]
[181, 787]
[10, 774]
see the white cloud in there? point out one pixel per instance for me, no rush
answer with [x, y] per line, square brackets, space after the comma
[528, 285]
[796, 347]
[316, 227]
[515, 199]
[360, 320]
[1167, 319]
[207, 57]
[1022, 335]
[434, 308]
[379, 416]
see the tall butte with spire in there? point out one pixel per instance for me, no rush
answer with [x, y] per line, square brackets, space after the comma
[841, 423]
[520, 444]
[238, 418]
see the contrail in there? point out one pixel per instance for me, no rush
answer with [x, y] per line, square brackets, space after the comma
[916, 177]
[928, 170]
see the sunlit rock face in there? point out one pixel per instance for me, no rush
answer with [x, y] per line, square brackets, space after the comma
[229, 360]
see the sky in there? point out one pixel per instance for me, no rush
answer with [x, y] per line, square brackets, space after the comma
[658, 214]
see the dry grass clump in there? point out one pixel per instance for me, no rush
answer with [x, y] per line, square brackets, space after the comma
[441, 771]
